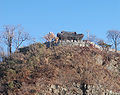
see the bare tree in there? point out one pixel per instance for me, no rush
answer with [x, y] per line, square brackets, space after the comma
[114, 37]
[20, 37]
[14, 36]
[92, 38]
[8, 36]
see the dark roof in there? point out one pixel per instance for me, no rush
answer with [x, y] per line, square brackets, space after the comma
[70, 35]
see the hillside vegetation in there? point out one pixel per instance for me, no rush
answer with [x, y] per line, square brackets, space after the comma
[60, 70]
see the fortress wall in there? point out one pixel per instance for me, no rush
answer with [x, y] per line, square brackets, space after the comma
[81, 43]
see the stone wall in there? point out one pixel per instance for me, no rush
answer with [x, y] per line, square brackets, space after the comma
[82, 43]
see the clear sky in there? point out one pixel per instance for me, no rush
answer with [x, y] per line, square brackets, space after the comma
[38, 17]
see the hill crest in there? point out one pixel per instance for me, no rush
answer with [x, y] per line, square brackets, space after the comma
[66, 70]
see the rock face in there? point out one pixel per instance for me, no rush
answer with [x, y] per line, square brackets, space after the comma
[99, 59]
[79, 89]
[68, 70]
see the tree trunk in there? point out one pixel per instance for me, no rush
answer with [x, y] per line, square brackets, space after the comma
[115, 46]
[50, 44]
[10, 49]
[10, 45]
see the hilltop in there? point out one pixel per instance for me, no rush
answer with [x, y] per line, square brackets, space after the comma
[60, 70]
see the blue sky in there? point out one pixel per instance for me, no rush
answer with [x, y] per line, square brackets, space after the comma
[38, 17]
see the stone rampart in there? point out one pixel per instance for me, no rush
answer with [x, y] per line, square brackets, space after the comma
[82, 43]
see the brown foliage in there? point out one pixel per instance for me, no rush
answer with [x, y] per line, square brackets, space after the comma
[49, 36]
[64, 66]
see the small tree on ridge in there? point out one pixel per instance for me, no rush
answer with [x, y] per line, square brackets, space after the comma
[114, 37]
